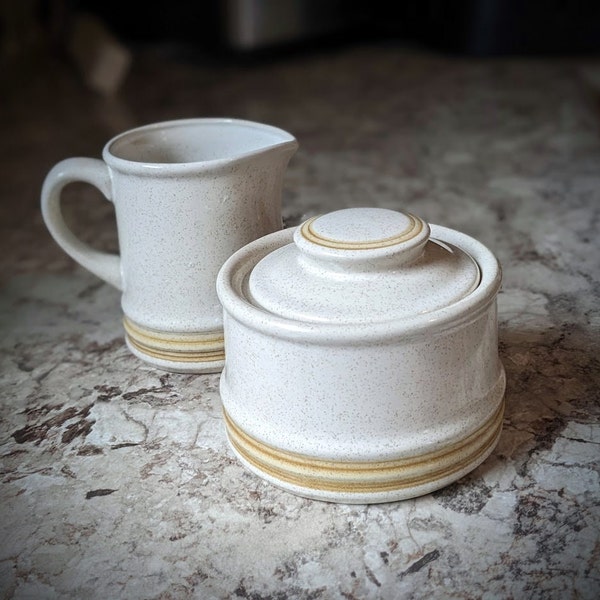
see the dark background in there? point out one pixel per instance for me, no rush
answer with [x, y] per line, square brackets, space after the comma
[477, 27]
[471, 27]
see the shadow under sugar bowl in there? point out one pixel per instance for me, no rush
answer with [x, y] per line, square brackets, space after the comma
[362, 356]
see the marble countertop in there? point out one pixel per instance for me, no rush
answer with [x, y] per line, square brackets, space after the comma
[117, 481]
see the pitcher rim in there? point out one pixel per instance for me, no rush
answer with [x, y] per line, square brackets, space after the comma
[197, 166]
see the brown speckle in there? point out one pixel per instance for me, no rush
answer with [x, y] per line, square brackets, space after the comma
[89, 450]
[425, 560]
[144, 391]
[123, 445]
[78, 429]
[99, 492]
[371, 577]
[107, 393]
[37, 433]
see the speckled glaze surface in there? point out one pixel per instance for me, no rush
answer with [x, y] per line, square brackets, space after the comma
[117, 480]
[362, 356]
[187, 194]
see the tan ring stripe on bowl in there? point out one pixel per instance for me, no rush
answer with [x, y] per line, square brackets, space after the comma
[366, 477]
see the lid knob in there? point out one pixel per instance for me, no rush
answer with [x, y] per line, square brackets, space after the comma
[362, 265]
[359, 236]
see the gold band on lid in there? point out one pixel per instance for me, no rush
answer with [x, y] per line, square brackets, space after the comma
[175, 347]
[366, 477]
[413, 229]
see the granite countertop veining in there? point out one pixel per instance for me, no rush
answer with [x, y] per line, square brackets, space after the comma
[117, 481]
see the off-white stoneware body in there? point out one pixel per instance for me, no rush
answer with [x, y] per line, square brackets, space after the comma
[390, 400]
[187, 194]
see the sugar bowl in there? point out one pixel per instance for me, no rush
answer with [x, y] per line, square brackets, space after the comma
[362, 356]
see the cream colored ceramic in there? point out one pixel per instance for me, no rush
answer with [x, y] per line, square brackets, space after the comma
[187, 194]
[362, 356]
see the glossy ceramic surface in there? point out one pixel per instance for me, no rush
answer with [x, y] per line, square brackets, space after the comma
[187, 194]
[362, 360]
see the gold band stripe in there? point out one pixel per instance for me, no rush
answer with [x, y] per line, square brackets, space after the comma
[413, 229]
[175, 347]
[366, 477]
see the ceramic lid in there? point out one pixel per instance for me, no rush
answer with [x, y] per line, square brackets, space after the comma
[361, 265]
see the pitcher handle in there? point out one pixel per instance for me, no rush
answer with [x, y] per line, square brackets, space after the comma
[90, 170]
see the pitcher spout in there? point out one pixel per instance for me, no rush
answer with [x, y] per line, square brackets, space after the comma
[248, 140]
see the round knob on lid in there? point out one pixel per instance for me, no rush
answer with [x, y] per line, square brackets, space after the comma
[357, 235]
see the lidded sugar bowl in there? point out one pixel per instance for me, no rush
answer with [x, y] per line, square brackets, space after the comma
[362, 356]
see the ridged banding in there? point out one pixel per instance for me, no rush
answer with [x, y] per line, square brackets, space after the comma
[366, 477]
[176, 347]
